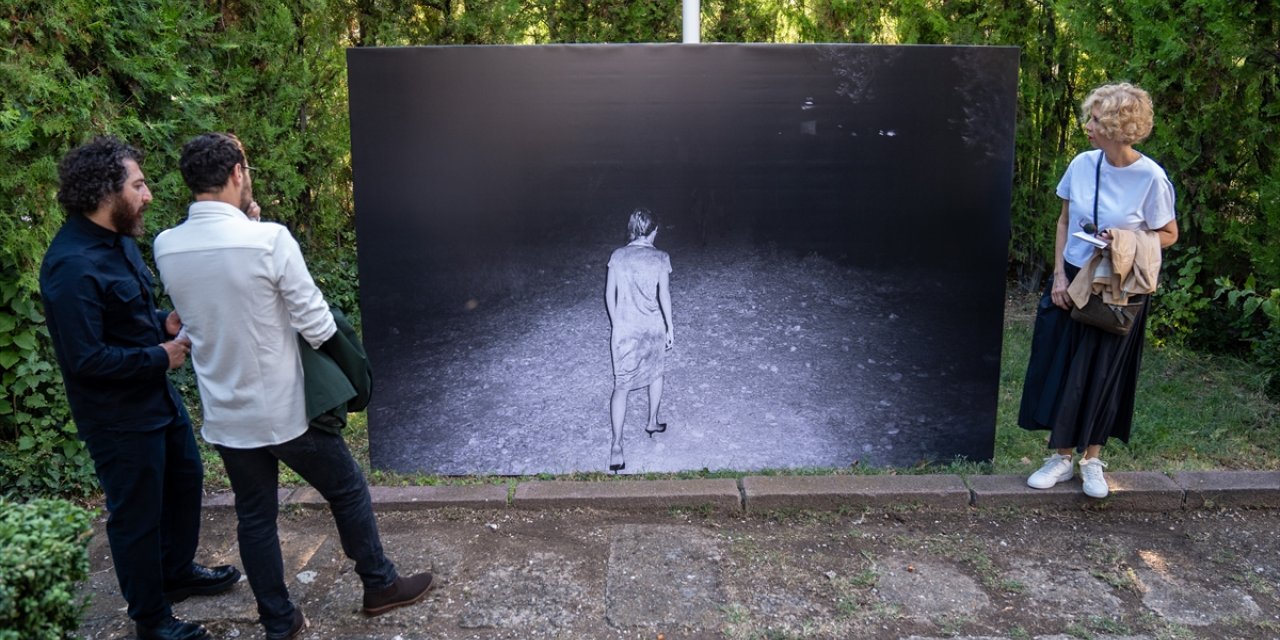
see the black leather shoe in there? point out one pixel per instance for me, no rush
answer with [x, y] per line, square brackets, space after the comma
[295, 629]
[203, 581]
[172, 629]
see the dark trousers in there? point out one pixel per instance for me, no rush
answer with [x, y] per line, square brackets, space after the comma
[153, 482]
[323, 460]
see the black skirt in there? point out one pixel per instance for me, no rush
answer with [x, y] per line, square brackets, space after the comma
[1081, 381]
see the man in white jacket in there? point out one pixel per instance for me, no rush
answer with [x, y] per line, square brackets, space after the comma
[243, 293]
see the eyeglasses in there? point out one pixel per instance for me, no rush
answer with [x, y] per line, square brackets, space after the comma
[246, 166]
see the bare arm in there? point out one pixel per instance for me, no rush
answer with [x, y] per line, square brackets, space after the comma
[1060, 282]
[664, 301]
[1168, 234]
[611, 295]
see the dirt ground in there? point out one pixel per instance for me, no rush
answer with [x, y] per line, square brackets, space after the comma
[903, 573]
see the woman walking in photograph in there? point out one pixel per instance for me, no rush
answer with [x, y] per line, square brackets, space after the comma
[1081, 380]
[638, 299]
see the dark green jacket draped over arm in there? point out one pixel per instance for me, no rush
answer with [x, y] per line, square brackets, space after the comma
[337, 378]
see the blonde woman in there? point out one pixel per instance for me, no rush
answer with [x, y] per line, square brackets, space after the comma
[638, 299]
[1081, 381]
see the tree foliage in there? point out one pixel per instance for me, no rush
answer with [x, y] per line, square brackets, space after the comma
[1213, 69]
[156, 72]
[70, 70]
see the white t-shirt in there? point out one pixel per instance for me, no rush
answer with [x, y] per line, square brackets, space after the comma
[1136, 197]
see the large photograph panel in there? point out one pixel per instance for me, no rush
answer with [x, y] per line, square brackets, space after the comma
[836, 216]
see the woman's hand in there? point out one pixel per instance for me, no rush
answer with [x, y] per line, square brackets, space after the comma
[671, 338]
[1059, 291]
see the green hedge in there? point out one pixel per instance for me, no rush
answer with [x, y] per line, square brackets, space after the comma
[43, 555]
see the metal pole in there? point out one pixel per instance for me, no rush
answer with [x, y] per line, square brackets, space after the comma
[692, 21]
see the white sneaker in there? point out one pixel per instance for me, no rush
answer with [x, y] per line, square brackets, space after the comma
[1095, 486]
[1057, 468]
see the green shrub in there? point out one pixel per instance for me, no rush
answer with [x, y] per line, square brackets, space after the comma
[39, 452]
[1179, 302]
[1255, 321]
[1214, 78]
[43, 555]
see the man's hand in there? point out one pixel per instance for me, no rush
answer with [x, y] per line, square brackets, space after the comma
[177, 350]
[173, 323]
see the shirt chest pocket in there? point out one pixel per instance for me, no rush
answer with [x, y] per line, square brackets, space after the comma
[125, 303]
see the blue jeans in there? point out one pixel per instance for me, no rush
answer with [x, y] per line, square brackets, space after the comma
[153, 482]
[323, 460]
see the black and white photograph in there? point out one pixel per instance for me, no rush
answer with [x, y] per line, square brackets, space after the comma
[663, 258]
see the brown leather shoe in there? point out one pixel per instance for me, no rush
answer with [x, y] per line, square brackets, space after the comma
[404, 591]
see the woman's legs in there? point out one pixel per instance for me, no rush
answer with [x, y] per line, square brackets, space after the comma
[655, 399]
[1091, 451]
[617, 412]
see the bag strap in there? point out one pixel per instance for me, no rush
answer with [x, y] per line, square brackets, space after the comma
[1097, 179]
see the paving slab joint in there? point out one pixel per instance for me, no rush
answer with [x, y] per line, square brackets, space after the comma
[973, 497]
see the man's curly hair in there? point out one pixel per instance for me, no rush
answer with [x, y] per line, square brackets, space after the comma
[92, 172]
[208, 159]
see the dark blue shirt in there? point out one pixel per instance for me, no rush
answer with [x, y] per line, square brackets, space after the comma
[99, 304]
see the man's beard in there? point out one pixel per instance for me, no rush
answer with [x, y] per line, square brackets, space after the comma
[128, 220]
[246, 198]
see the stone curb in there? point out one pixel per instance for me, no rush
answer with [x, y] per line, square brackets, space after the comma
[649, 495]
[1259, 489]
[489, 496]
[1143, 491]
[226, 499]
[764, 493]
[1133, 491]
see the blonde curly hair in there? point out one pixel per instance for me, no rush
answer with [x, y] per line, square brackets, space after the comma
[1125, 114]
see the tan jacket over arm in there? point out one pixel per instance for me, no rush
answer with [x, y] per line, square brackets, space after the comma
[1129, 266]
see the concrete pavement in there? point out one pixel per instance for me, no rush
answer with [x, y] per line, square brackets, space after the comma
[1183, 555]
